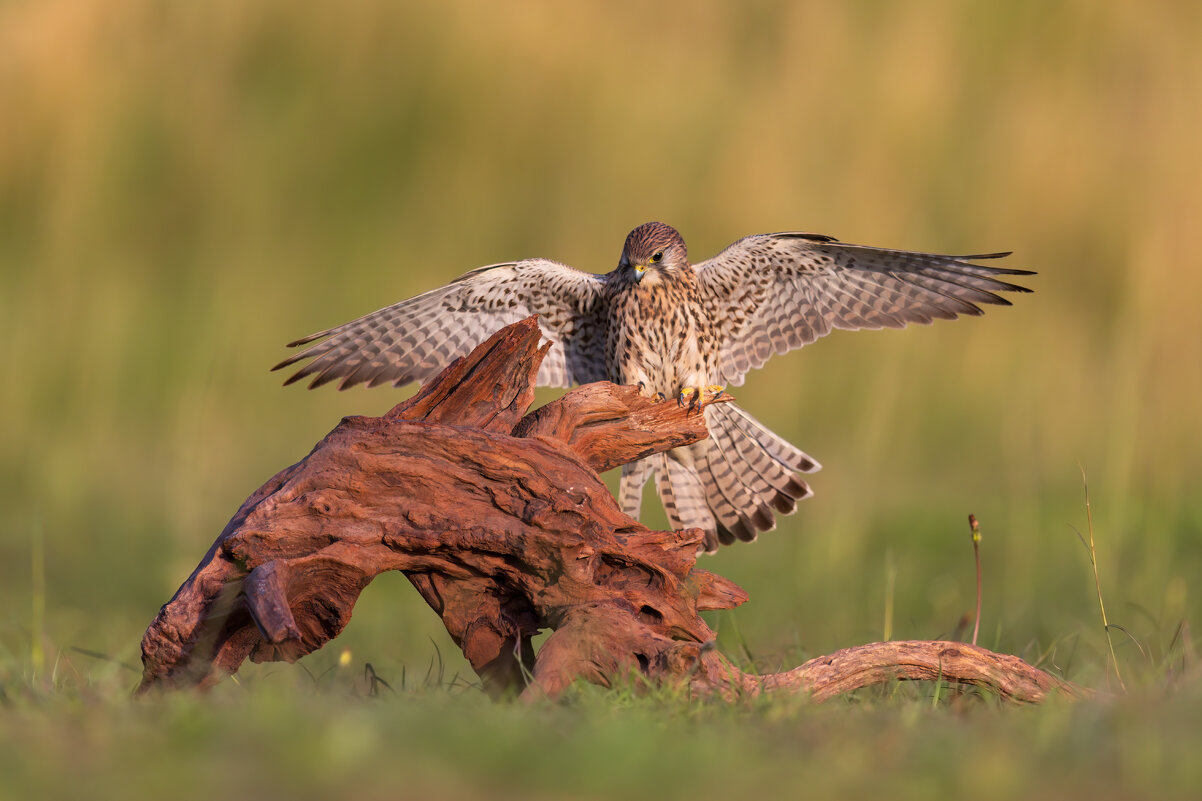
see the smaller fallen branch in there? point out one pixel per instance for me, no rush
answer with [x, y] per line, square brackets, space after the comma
[499, 519]
[824, 677]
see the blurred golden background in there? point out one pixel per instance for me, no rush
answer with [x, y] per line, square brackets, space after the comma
[186, 186]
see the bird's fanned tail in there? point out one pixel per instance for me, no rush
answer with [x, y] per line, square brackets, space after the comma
[731, 485]
[630, 487]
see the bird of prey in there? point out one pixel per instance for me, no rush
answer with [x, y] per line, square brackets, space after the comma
[676, 330]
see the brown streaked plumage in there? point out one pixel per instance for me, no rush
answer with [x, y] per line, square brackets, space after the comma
[674, 329]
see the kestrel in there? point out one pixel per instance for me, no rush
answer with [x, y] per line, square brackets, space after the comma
[675, 329]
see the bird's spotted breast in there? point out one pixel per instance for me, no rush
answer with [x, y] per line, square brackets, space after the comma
[659, 336]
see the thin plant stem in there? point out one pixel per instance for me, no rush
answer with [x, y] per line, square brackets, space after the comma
[976, 556]
[890, 581]
[37, 653]
[1093, 559]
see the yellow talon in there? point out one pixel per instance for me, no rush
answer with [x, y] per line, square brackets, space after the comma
[696, 396]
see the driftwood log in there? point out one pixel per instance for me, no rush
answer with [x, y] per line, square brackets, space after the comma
[500, 520]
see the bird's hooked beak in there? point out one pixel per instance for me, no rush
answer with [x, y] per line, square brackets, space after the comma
[639, 269]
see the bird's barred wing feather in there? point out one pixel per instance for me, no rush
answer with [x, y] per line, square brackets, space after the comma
[774, 292]
[415, 339]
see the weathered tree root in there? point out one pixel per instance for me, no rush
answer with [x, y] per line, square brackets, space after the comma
[824, 677]
[500, 520]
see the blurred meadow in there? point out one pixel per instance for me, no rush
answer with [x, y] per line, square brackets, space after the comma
[184, 187]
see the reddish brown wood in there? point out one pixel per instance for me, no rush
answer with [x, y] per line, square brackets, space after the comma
[500, 520]
[609, 426]
[824, 677]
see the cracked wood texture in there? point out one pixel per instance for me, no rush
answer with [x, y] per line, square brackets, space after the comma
[499, 519]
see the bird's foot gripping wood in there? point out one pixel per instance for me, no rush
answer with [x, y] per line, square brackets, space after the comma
[499, 519]
[694, 397]
[655, 396]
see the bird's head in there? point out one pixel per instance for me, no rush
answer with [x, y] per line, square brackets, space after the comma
[652, 249]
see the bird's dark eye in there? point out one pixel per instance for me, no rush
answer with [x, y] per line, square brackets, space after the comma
[657, 257]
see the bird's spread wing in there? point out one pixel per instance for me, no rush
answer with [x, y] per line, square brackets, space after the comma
[416, 338]
[774, 292]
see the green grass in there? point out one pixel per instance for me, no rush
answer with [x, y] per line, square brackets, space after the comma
[279, 731]
[185, 187]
